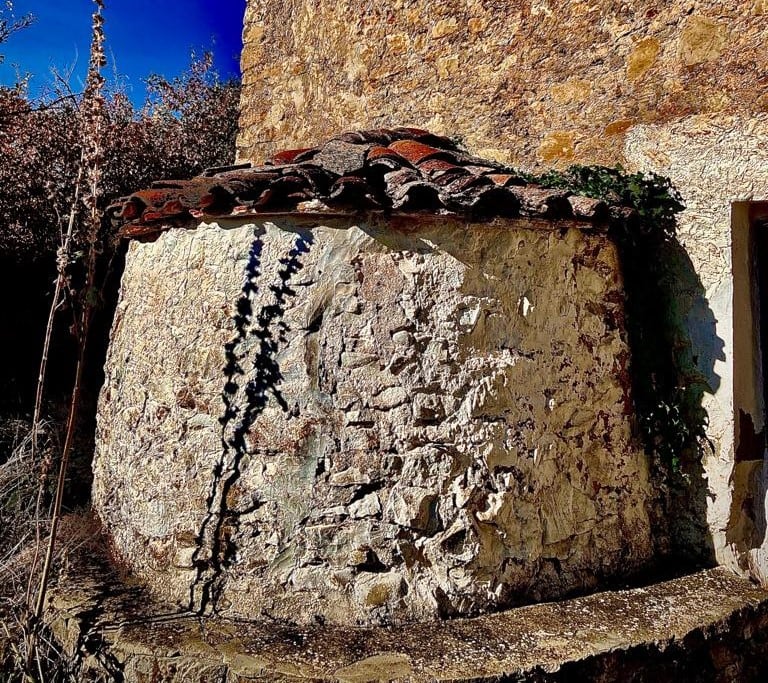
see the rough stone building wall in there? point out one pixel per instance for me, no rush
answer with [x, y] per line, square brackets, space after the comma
[534, 82]
[675, 87]
[363, 424]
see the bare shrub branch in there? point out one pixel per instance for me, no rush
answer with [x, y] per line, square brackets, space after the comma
[9, 24]
[64, 160]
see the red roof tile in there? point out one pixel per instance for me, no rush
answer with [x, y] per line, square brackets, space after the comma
[505, 179]
[380, 152]
[416, 151]
[434, 165]
[390, 169]
[288, 156]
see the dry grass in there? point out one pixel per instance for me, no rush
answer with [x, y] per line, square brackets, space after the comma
[25, 518]
[23, 497]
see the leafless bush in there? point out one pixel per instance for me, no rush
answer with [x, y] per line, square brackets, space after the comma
[10, 24]
[186, 125]
[61, 161]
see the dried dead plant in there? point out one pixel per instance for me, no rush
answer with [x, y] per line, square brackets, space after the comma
[62, 160]
[76, 267]
[21, 495]
[19, 486]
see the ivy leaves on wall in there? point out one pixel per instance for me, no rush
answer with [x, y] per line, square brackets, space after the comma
[667, 388]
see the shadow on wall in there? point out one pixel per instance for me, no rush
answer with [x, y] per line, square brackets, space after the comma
[674, 343]
[256, 341]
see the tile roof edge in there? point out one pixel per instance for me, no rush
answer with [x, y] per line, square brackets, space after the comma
[391, 171]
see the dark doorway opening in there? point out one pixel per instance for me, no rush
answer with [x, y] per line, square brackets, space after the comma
[749, 234]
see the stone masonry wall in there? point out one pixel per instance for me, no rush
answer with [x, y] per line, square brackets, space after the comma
[674, 87]
[534, 83]
[358, 424]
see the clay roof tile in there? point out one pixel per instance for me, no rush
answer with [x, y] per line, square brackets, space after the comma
[288, 156]
[480, 169]
[461, 183]
[353, 192]
[586, 207]
[381, 160]
[433, 165]
[482, 201]
[543, 202]
[424, 136]
[506, 179]
[341, 157]
[353, 137]
[415, 151]
[379, 136]
[398, 169]
[417, 195]
[215, 170]
[381, 152]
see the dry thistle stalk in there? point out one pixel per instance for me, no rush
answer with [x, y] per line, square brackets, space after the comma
[85, 236]
[61, 158]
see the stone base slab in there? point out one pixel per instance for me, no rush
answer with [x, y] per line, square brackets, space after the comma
[711, 625]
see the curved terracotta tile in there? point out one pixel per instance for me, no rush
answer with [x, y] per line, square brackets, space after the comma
[506, 179]
[288, 156]
[415, 151]
[434, 164]
[380, 152]
[406, 169]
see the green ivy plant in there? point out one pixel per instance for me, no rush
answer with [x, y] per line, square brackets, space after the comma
[671, 421]
[655, 199]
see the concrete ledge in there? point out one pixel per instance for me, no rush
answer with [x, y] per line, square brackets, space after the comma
[710, 625]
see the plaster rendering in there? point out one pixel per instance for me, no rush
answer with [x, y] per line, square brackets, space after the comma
[718, 162]
[371, 422]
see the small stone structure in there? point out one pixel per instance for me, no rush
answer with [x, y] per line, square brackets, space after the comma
[669, 87]
[317, 415]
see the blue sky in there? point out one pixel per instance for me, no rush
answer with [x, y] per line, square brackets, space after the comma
[143, 37]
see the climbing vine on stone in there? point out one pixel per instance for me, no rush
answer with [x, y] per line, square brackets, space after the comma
[667, 389]
[655, 199]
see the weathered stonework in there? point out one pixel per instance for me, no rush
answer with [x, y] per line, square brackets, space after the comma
[674, 87]
[366, 423]
[534, 83]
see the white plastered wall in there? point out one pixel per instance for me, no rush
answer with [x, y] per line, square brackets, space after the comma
[716, 161]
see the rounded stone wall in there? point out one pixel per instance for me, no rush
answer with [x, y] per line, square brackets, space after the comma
[371, 423]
